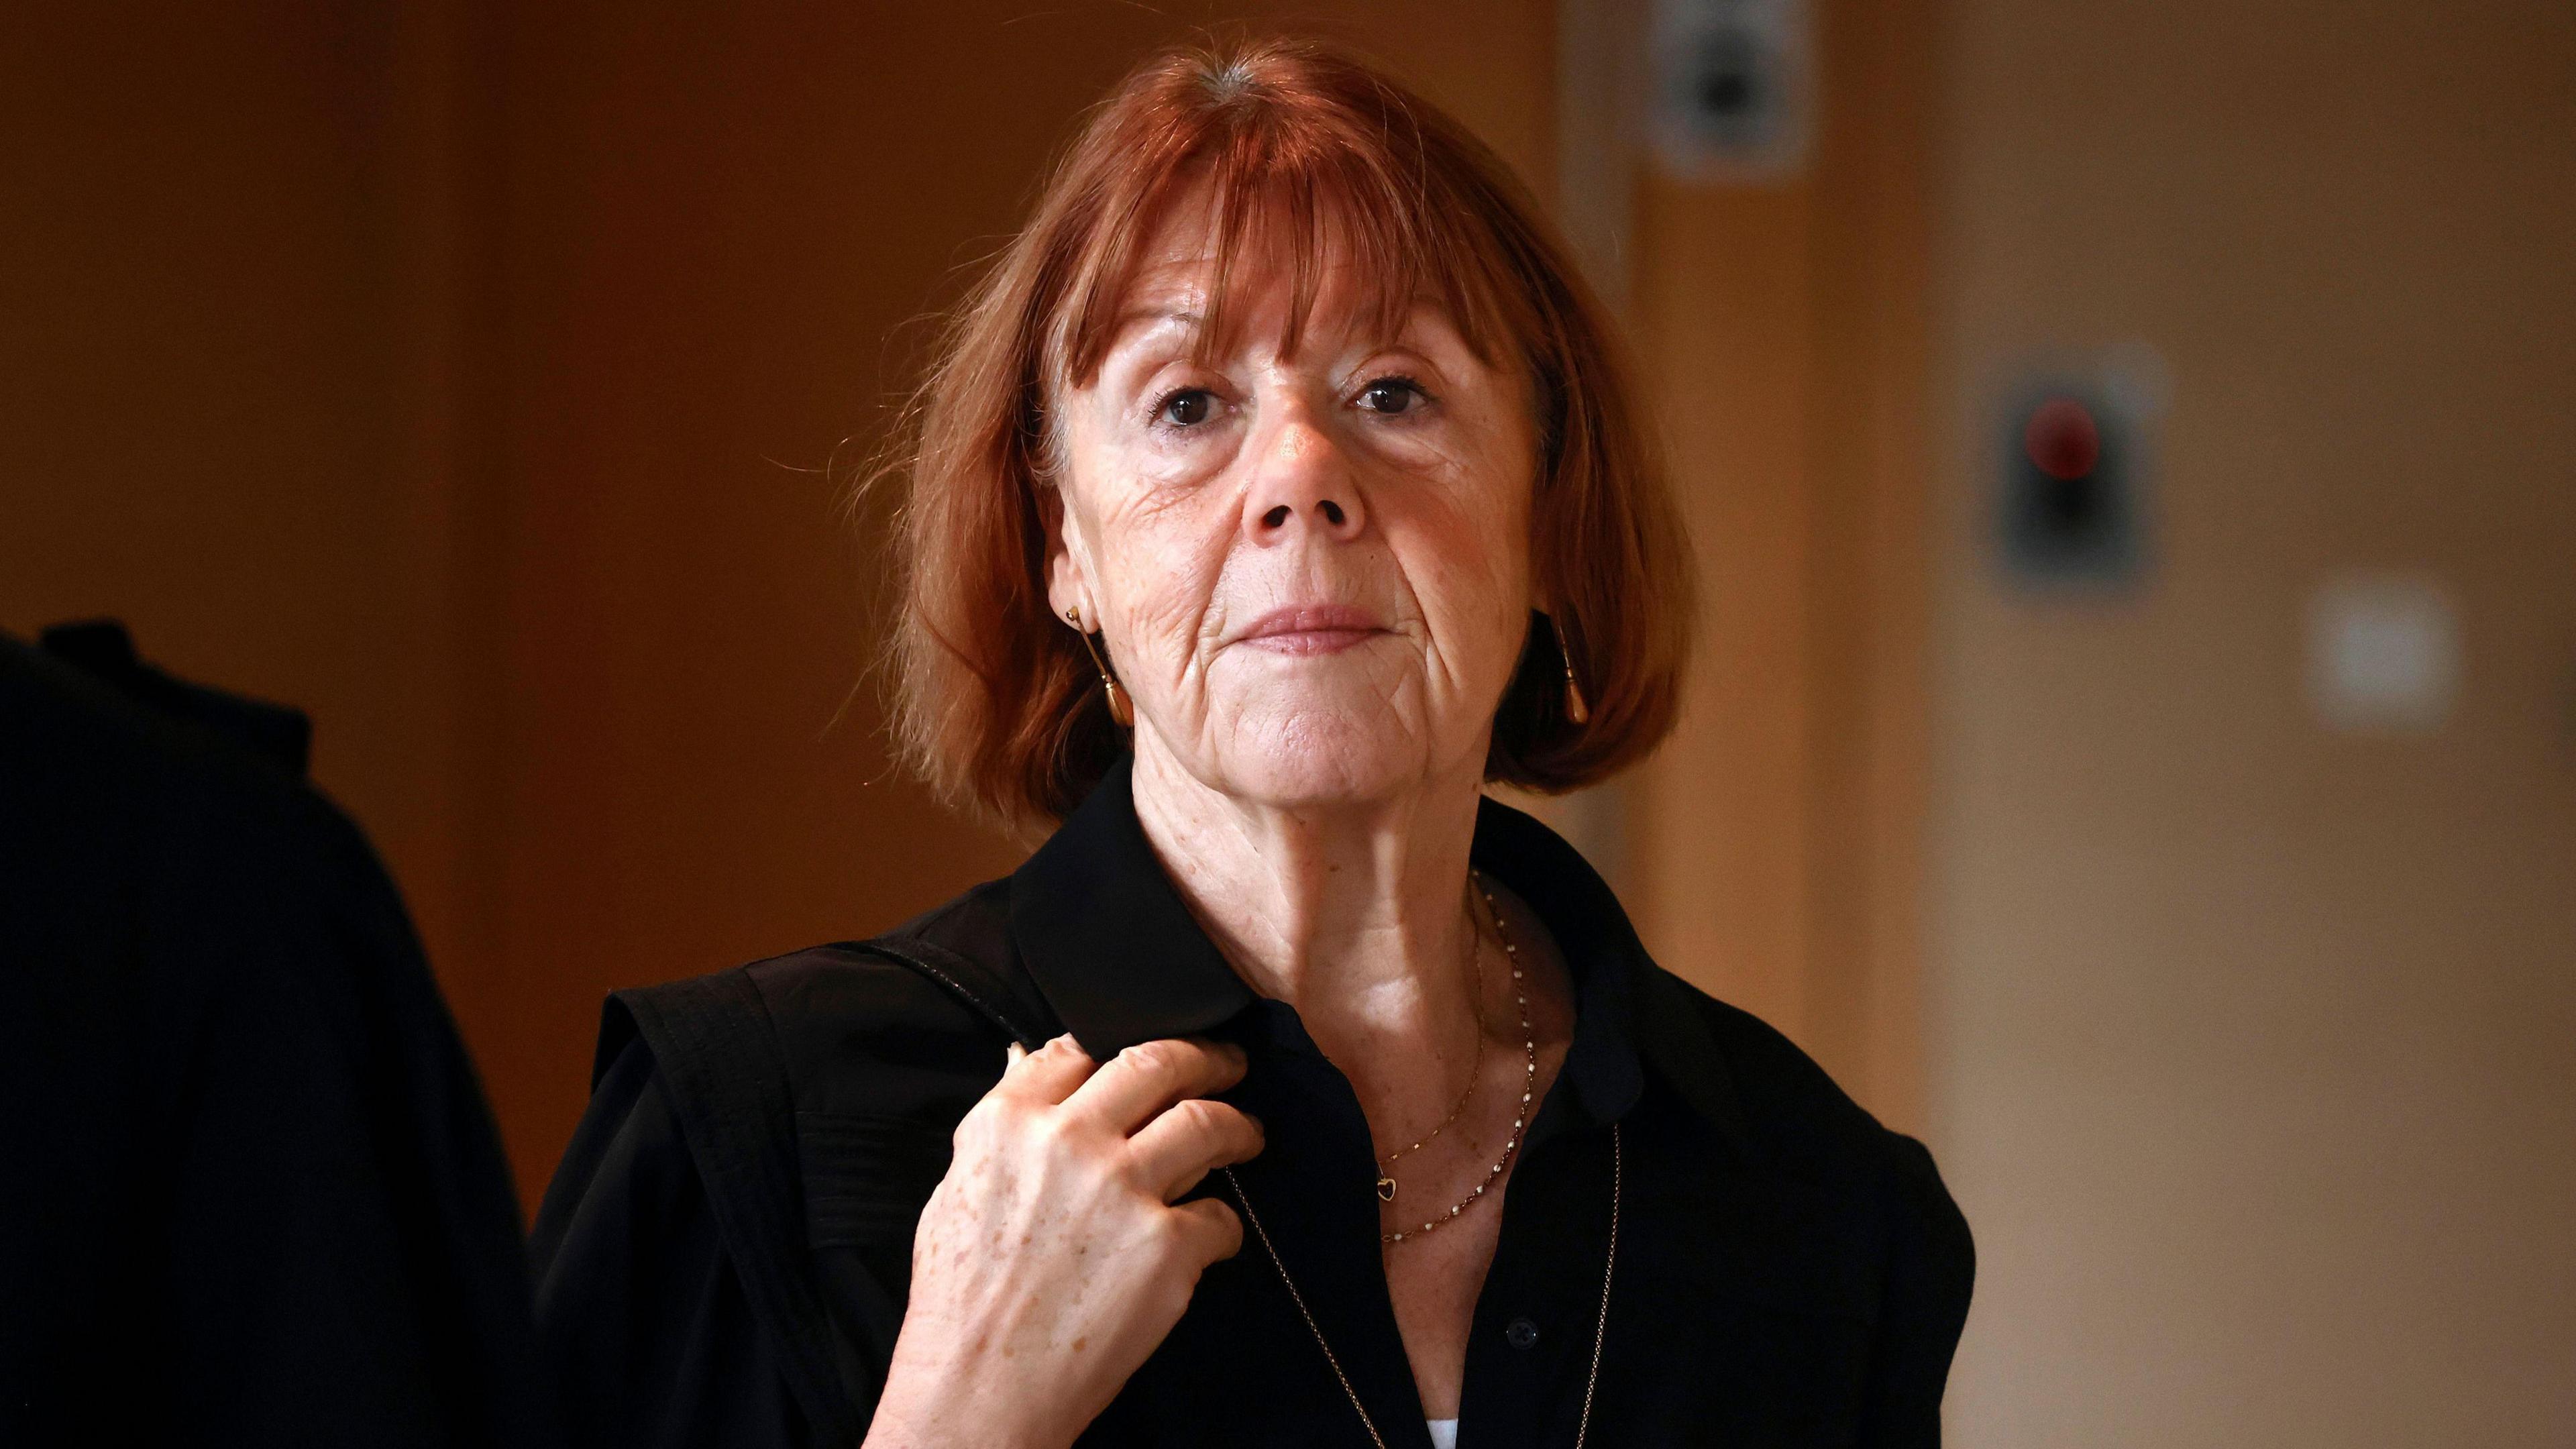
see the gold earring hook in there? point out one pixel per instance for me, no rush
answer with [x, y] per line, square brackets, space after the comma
[1121, 711]
[1577, 708]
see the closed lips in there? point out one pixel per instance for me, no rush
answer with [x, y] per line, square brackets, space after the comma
[1312, 629]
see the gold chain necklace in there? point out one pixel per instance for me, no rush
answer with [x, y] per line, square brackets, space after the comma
[1475, 1067]
[1600, 1323]
[1474, 1071]
[1529, 1072]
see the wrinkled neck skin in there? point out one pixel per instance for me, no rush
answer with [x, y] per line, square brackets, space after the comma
[1355, 914]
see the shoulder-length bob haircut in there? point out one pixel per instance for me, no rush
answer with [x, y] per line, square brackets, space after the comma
[996, 704]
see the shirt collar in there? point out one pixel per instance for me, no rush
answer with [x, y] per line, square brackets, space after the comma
[1118, 955]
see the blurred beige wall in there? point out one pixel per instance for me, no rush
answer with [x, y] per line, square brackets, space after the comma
[1775, 843]
[2254, 1049]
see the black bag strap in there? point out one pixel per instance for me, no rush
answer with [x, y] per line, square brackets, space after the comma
[711, 1039]
[1009, 1003]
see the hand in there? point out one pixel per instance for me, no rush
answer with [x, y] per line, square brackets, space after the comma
[1051, 1261]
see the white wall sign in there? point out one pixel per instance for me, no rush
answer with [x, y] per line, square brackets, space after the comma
[2383, 653]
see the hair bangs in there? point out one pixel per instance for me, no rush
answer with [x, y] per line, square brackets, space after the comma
[1283, 191]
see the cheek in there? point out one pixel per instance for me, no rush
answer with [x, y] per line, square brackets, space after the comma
[1470, 544]
[1150, 543]
[1162, 553]
[1472, 579]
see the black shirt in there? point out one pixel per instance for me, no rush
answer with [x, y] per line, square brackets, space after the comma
[1788, 1271]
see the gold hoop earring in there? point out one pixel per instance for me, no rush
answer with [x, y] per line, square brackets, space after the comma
[1121, 712]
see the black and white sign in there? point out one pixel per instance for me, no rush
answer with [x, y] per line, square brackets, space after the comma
[1734, 88]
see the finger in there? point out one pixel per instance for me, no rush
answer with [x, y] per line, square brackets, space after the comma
[1050, 1074]
[1194, 1138]
[1210, 1228]
[1133, 1086]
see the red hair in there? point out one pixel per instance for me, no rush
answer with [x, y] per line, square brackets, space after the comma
[997, 705]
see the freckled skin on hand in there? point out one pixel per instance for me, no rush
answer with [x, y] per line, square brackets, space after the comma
[1005, 1334]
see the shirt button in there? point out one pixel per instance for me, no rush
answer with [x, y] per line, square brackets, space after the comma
[1521, 1333]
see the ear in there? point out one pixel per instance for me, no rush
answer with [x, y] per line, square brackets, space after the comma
[1066, 589]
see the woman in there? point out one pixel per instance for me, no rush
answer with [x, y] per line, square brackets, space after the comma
[1274, 494]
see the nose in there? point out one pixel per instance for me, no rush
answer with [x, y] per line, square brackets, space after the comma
[1302, 484]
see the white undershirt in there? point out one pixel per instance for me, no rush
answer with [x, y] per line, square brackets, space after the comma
[1444, 1433]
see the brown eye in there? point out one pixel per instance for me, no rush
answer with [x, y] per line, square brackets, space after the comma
[1187, 408]
[1391, 395]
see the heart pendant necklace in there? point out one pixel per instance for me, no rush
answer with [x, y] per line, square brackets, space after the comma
[1475, 1069]
[1529, 1073]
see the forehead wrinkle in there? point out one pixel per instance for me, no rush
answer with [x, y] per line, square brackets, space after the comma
[1148, 319]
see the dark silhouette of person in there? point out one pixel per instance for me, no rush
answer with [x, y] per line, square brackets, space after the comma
[250, 1191]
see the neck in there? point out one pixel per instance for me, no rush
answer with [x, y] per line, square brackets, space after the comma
[1354, 915]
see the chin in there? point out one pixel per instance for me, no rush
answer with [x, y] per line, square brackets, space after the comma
[1319, 757]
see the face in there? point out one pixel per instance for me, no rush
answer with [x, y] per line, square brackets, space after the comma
[1312, 570]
